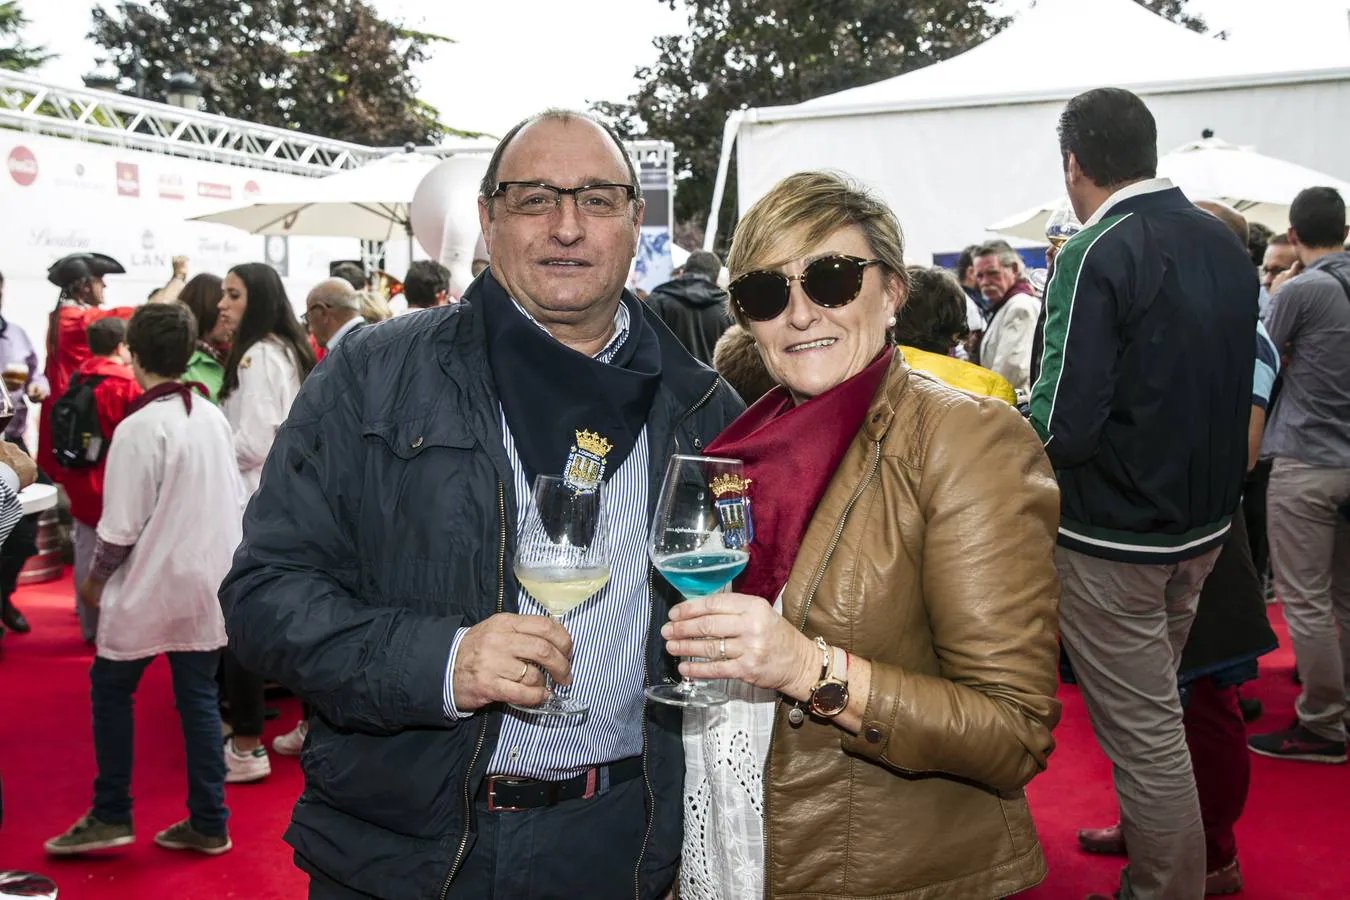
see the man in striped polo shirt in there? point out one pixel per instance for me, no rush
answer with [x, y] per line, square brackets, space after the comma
[1143, 401]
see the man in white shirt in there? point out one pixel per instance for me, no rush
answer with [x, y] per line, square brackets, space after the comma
[1014, 308]
[332, 310]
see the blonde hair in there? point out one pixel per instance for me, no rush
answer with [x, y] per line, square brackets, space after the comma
[815, 204]
[374, 308]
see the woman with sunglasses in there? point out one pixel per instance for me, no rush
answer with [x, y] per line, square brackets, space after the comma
[892, 640]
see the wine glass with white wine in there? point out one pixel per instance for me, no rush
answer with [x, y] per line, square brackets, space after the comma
[1061, 225]
[562, 560]
[699, 542]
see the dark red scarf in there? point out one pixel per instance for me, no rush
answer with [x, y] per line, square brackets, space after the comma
[218, 352]
[790, 454]
[167, 389]
[1020, 286]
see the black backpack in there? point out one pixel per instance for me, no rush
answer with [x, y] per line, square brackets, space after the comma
[77, 438]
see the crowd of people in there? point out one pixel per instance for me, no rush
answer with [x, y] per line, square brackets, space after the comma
[967, 486]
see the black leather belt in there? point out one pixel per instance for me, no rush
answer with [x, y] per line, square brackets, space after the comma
[507, 793]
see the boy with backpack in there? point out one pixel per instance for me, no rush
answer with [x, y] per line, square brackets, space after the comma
[171, 520]
[82, 425]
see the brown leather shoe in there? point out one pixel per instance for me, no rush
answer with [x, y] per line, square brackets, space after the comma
[1227, 880]
[1108, 840]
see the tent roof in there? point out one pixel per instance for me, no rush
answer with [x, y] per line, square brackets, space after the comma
[1059, 47]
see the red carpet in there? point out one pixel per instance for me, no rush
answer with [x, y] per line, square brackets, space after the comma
[1293, 837]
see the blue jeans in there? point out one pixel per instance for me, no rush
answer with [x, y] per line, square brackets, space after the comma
[112, 686]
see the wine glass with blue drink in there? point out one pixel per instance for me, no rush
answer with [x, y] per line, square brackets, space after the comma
[562, 560]
[699, 542]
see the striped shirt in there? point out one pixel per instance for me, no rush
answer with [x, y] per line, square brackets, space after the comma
[11, 507]
[1267, 367]
[609, 632]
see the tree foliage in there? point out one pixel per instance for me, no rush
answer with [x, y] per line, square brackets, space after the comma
[1175, 10]
[15, 55]
[754, 53]
[332, 68]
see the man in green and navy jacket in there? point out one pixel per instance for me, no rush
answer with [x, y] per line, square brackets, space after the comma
[1142, 401]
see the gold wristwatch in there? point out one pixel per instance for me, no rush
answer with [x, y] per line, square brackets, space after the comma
[829, 696]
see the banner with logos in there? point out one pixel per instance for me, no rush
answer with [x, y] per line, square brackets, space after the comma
[61, 196]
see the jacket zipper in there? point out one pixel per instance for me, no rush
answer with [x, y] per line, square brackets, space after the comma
[646, 775]
[646, 674]
[801, 626]
[482, 730]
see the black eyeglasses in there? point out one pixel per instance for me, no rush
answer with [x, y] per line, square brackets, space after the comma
[304, 320]
[537, 198]
[831, 282]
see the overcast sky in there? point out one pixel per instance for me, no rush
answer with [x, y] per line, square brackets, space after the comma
[513, 57]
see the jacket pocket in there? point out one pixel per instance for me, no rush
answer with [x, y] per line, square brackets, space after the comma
[400, 783]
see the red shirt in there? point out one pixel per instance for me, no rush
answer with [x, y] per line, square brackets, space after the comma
[72, 351]
[112, 396]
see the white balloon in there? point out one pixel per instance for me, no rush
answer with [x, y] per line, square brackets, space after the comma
[445, 215]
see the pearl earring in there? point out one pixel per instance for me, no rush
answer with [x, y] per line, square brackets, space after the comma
[891, 321]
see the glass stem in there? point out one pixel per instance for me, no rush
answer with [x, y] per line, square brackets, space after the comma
[548, 677]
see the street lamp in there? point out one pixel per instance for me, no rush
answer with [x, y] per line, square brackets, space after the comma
[184, 91]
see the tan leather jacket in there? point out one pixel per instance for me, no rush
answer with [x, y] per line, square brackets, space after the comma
[931, 555]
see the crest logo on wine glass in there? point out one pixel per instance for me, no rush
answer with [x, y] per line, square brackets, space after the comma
[585, 470]
[733, 509]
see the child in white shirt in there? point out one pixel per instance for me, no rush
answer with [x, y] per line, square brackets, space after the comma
[173, 498]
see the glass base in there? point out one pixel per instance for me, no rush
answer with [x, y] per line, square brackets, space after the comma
[554, 706]
[689, 694]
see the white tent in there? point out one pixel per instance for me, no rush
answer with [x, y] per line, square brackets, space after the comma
[958, 144]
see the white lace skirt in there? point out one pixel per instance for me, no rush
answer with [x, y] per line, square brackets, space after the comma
[725, 749]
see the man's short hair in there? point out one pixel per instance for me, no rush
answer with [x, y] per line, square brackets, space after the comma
[163, 336]
[933, 316]
[966, 260]
[737, 359]
[336, 293]
[1236, 221]
[1278, 240]
[350, 272]
[703, 263]
[1317, 216]
[1258, 238]
[426, 278]
[488, 186]
[1007, 256]
[1112, 135]
[105, 335]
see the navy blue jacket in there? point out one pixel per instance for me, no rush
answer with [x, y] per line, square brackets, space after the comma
[384, 522]
[1145, 385]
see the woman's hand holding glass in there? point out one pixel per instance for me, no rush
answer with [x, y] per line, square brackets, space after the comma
[742, 637]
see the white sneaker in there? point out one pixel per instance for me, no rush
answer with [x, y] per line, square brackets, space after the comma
[293, 741]
[241, 768]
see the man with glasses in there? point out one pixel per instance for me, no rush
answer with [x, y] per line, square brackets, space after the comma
[332, 311]
[1280, 256]
[375, 576]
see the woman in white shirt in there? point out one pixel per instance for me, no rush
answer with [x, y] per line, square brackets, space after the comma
[268, 360]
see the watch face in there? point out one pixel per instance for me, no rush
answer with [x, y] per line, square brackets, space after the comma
[829, 699]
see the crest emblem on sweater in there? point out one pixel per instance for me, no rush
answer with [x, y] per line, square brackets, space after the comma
[733, 510]
[585, 468]
[245, 362]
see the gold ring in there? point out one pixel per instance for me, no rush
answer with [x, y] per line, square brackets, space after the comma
[524, 670]
[722, 648]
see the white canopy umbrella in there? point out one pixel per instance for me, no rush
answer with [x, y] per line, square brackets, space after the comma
[1260, 187]
[372, 203]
